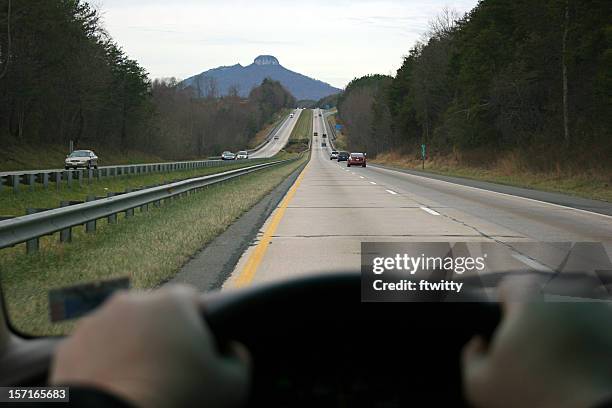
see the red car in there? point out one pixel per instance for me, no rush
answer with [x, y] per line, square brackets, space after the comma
[356, 159]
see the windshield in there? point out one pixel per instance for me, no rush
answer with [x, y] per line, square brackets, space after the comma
[80, 153]
[479, 122]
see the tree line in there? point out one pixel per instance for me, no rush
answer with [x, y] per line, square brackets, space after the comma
[62, 78]
[507, 75]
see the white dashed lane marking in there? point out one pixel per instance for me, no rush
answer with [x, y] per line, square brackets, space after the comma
[429, 210]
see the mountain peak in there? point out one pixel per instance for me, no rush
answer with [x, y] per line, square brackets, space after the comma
[266, 60]
[265, 66]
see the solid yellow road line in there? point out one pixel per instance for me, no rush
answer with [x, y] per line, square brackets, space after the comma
[248, 272]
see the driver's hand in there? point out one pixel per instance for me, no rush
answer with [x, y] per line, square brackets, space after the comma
[543, 354]
[153, 350]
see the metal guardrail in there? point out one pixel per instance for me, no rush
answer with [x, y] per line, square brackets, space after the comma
[29, 228]
[30, 178]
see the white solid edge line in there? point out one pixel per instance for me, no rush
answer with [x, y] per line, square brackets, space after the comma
[532, 264]
[429, 210]
[497, 192]
[391, 192]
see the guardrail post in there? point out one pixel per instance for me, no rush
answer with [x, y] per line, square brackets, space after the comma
[58, 179]
[1, 183]
[65, 234]
[32, 245]
[112, 219]
[45, 180]
[90, 226]
[90, 175]
[80, 177]
[69, 179]
[15, 181]
[31, 181]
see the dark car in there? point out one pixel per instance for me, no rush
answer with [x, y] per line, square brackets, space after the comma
[343, 156]
[356, 159]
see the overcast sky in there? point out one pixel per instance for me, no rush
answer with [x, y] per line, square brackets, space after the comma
[334, 41]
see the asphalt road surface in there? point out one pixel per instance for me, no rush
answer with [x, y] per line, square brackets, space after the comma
[283, 133]
[331, 209]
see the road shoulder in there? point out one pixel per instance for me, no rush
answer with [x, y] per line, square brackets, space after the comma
[209, 268]
[585, 204]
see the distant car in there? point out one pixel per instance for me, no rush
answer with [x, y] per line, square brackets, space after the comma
[323, 144]
[276, 137]
[356, 159]
[324, 134]
[81, 158]
[343, 156]
[228, 156]
[241, 155]
[333, 155]
[316, 133]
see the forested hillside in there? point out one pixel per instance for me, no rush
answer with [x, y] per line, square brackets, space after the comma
[63, 78]
[529, 77]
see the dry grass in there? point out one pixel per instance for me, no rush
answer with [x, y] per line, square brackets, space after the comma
[514, 168]
[149, 248]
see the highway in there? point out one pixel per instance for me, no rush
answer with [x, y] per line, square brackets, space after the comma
[331, 209]
[283, 133]
[271, 148]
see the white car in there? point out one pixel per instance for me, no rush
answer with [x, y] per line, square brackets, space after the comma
[227, 155]
[243, 154]
[291, 115]
[81, 158]
[333, 155]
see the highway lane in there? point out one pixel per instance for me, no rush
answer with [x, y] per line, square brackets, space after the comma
[283, 133]
[332, 209]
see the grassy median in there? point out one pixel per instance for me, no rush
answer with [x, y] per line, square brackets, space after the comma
[15, 204]
[303, 127]
[149, 247]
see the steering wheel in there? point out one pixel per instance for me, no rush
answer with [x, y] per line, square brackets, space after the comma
[314, 343]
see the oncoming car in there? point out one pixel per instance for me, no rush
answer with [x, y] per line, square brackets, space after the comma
[356, 159]
[227, 155]
[343, 156]
[81, 158]
[333, 155]
[243, 154]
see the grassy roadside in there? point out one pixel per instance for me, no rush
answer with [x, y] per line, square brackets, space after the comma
[18, 157]
[340, 142]
[16, 204]
[263, 133]
[508, 170]
[149, 247]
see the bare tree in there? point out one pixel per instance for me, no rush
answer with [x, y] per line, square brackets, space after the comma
[8, 41]
[443, 24]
